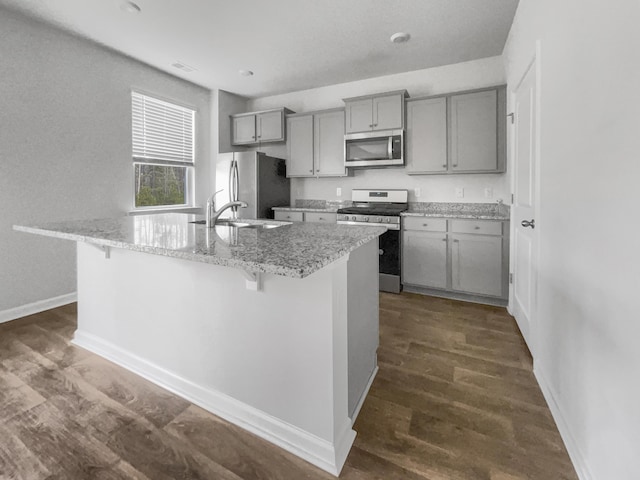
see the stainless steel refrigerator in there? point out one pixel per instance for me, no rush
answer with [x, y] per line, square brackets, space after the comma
[254, 178]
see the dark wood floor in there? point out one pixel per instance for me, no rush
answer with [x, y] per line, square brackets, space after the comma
[454, 399]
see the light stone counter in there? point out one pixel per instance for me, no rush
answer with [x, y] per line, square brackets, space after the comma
[306, 209]
[292, 250]
[472, 211]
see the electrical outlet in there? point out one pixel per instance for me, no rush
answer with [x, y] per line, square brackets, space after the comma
[459, 192]
[417, 192]
[488, 192]
[338, 192]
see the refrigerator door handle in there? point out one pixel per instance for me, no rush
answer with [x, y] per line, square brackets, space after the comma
[231, 181]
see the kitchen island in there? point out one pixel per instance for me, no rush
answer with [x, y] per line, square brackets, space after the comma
[273, 326]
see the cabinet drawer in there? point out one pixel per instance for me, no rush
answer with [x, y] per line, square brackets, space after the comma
[291, 216]
[425, 224]
[483, 227]
[320, 217]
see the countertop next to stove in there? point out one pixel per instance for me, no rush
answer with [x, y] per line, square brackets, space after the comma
[473, 211]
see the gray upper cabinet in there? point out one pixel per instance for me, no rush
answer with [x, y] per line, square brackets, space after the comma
[300, 146]
[258, 127]
[329, 143]
[461, 133]
[474, 128]
[375, 112]
[315, 144]
[243, 128]
[426, 141]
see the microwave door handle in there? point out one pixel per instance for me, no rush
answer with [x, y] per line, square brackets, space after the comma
[390, 148]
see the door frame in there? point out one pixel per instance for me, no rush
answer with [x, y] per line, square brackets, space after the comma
[534, 62]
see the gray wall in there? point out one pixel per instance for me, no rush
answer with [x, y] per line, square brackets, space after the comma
[586, 327]
[65, 147]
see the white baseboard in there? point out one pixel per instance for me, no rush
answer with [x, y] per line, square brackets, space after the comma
[37, 307]
[317, 451]
[363, 397]
[576, 456]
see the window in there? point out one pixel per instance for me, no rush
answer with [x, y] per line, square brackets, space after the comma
[163, 152]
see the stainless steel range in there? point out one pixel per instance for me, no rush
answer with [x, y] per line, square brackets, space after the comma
[380, 208]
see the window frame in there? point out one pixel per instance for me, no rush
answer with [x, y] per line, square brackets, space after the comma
[189, 167]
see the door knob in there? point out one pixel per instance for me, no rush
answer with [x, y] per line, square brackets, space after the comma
[528, 223]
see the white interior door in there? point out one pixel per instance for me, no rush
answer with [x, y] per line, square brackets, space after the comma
[523, 211]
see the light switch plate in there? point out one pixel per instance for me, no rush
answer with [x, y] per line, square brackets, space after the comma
[338, 192]
[417, 192]
[459, 192]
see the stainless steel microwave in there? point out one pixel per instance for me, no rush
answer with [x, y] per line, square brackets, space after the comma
[374, 149]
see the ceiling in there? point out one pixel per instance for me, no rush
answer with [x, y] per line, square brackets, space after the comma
[290, 45]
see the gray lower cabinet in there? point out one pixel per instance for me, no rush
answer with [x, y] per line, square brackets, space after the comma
[476, 264]
[316, 217]
[457, 258]
[315, 144]
[425, 259]
[460, 133]
[288, 216]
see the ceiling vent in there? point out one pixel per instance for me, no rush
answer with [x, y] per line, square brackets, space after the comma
[183, 66]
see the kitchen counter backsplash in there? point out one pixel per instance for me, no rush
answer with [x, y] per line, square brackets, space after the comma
[499, 211]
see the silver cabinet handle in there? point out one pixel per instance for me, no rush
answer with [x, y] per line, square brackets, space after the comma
[380, 252]
[528, 223]
[444, 166]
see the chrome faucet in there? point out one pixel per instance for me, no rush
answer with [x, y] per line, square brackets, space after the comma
[211, 206]
[214, 217]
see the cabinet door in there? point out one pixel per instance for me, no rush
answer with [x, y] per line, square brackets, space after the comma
[426, 146]
[424, 259]
[300, 146]
[359, 115]
[473, 132]
[329, 144]
[388, 112]
[270, 126]
[318, 217]
[476, 264]
[244, 129]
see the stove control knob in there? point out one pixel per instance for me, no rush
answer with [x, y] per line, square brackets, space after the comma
[366, 219]
[346, 217]
[354, 218]
[388, 220]
[379, 219]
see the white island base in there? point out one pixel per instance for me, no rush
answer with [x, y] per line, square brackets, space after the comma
[291, 362]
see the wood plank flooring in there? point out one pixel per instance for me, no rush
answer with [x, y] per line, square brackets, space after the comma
[455, 399]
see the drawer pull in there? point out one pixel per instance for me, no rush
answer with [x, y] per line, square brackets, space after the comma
[425, 224]
[476, 227]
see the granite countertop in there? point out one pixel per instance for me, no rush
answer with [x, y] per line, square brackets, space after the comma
[306, 209]
[472, 211]
[291, 250]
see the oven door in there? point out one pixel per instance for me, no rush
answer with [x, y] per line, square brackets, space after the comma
[389, 261]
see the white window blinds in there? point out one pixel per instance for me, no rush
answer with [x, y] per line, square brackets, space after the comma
[162, 132]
